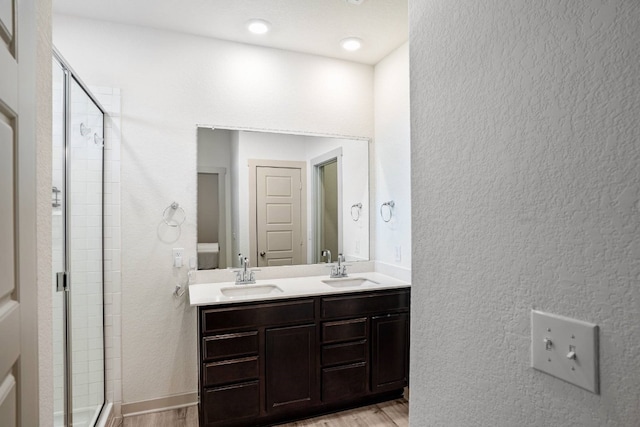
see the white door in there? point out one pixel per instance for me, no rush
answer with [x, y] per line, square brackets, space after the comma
[279, 216]
[18, 346]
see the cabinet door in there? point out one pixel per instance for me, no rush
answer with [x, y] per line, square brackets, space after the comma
[389, 352]
[290, 358]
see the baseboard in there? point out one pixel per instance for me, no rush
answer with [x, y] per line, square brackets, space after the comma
[161, 404]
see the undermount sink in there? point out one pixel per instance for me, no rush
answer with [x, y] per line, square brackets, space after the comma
[250, 290]
[348, 282]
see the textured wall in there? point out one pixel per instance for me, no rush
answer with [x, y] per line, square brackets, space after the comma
[526, 188]
[170, 82]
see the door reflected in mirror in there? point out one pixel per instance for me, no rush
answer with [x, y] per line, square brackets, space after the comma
[280, 199]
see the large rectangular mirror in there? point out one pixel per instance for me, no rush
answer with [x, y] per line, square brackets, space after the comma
[280, 199]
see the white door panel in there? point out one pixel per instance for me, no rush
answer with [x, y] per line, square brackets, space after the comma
[18, 341]
[279, 216]
[7, 247]
[8, 82]
[10, 333]
[6, 19]
[8, 402]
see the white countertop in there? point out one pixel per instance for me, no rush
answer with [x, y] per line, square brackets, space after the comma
[210, 293]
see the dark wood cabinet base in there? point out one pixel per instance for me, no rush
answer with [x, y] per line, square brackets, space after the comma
[267, 363]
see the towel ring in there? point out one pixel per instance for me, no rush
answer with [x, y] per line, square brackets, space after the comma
[168, 216]
[390, 205]
[356, 216]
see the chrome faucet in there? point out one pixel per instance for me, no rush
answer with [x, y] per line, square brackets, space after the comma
[327, 253]
[339, 270]
[244, 276]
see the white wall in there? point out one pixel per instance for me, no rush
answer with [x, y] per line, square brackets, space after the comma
[526, 189]
[170, 82]
[392, 157]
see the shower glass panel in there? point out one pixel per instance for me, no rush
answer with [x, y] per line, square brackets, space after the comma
[85, 205]
[78, 239]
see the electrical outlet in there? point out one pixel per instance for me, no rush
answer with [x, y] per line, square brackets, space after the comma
[178, 254]
[565, 348]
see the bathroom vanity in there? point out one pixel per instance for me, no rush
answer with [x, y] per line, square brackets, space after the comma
[307, 348]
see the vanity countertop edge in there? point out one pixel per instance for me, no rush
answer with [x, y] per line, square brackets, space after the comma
[202, 294]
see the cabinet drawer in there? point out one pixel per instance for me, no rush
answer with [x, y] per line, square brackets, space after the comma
[225, 404]
[228, 346]
[344, 330]
[355, 305]
[350, 352]
[344, 382]
[217, 319]
[231, 371]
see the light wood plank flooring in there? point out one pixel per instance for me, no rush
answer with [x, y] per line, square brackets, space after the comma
[385, 414]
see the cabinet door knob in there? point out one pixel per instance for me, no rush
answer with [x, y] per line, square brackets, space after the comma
[263, 253]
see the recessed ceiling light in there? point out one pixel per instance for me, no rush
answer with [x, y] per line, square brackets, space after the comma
[258, 26]
[351, 44]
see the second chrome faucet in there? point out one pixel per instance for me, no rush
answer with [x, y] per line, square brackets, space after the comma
[245, 276]
[337, 270]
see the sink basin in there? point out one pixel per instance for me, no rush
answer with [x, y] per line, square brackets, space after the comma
[250, 290]
[348, 282]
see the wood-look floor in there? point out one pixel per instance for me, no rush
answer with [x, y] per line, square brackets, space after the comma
[391, 413]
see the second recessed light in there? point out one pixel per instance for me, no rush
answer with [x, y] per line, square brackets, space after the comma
[351, 44]
[258, 26]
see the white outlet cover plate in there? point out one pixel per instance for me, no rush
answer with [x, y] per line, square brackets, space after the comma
[564, 333]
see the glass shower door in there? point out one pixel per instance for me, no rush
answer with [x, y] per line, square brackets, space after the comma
[77, 238]
[86, 261]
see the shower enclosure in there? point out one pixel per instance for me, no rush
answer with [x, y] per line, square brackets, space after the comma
[77, 239]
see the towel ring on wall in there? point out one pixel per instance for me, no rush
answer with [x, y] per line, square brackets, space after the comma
[355, 215]
[170, 213]
[390, 205]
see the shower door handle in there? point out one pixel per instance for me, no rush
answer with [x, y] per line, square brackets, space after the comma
[62, 281]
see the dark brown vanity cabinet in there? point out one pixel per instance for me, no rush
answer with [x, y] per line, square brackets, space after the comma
[262, 363]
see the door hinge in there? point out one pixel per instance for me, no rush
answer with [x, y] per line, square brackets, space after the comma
[62, 281]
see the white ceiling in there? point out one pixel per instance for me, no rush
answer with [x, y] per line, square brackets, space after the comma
[310, 26]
